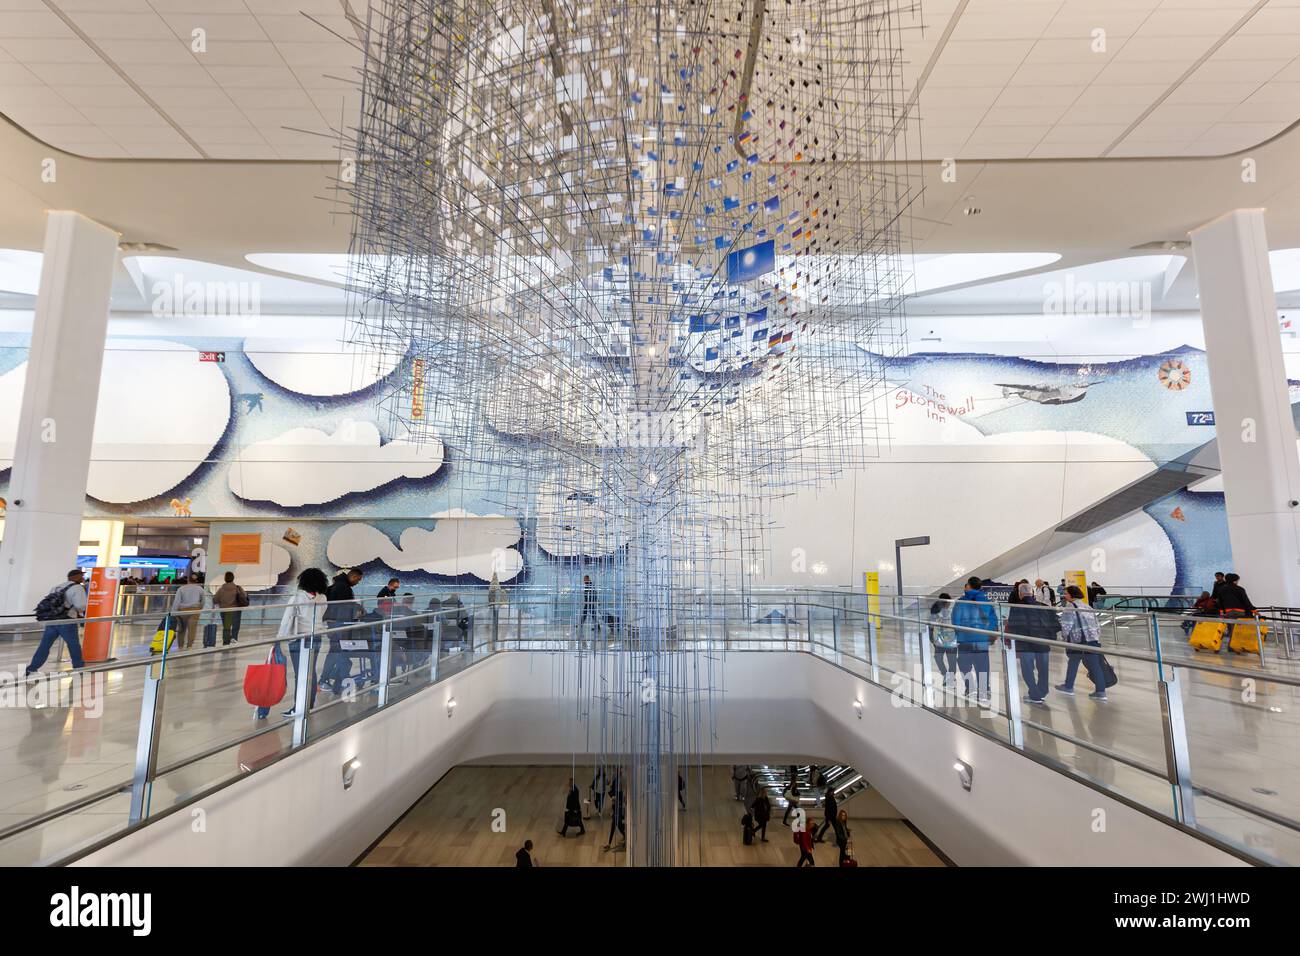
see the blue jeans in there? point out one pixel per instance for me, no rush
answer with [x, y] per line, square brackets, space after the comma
[52, 632]
[945, 658]
[338, 662]
[1033, 667]
[975, 659]
[1092, 662]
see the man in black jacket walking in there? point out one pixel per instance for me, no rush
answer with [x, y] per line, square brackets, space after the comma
[1028, 618]
[341, 611]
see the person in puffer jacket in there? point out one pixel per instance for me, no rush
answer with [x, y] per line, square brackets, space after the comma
[974, 610]
[1079, 625]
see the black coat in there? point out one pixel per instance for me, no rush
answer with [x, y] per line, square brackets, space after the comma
[1031, 619]
[762, 808]
[1233, 596]
[340, 590]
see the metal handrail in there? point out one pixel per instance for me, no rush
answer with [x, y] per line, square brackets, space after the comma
[507, 643]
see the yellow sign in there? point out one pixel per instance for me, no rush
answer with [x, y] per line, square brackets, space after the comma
[871, 582]
[1079, 578]
[241, 549]
[417, 389]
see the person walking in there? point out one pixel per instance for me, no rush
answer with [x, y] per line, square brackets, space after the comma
[187, 605]
[60, 609]
[573, 811]
[762, 811]
[739, 775]
[303, 619]
[942, 637]
[616, 810]
[804, 841]
[230, 600]
[791, 801]
[1220, 579]
[1079, 626]
[1031, 619]
[972, 614]
[589, 605]
[1095, 593]
[342, 611]
[843, 836]
[1043, 593]
[830, 807]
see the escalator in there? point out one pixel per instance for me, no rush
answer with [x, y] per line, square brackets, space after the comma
[846, 781]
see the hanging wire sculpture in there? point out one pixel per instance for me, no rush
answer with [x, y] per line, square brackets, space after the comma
[642, 264]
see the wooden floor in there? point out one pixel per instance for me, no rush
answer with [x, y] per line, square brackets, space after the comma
[452, 825]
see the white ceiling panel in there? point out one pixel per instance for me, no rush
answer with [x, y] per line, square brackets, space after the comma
[1001, 79]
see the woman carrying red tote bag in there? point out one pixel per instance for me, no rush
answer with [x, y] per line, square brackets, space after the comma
[264, 684]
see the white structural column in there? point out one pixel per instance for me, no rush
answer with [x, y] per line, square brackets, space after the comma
[47, 491]
[1252, 412]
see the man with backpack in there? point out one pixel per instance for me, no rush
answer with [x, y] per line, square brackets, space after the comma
[60, 609]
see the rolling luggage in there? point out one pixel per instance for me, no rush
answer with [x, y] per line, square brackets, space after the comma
[1246, 636]
[209, 635]
[586, 809]
[1208, 636]
[156, 645]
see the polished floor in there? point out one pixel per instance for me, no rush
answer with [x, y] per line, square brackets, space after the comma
[1243, 729]
[452, 825]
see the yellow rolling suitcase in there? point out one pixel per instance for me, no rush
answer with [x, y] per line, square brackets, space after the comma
[1246, 636]
[156, 645]
[1208, 636]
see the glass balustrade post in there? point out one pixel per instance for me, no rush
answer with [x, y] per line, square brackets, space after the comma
[926, 648]
[872, 625]
[1177, 758]
[835, 629]
[146, 743]
[1011, 693]
[386, 655]
[302, 689]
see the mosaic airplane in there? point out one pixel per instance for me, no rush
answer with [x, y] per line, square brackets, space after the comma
[1046, 394]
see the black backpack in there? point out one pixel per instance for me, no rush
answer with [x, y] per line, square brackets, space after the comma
[54, 605]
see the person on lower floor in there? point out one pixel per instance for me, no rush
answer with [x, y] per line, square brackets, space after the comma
[739, 774]
[573, 811]
[681, 791]
[69, 604]
[1031, 619]
[830, 807]
[524, 855]
[973, 618]
[597, 789]
[791, 801]
[1079, 626]
[842, 835]
[616, 816]
[762, 810]
[303, 619]
[803, 839]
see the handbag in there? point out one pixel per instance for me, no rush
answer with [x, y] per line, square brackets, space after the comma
[1108, 672]
[264, 684]
[241, 598]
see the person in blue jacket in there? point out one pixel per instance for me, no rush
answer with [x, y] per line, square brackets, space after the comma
[974, 610]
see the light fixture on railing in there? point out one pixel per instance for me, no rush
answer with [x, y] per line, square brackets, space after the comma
[350, 768]
[451, 706]
[857, 706]
[965, 773]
